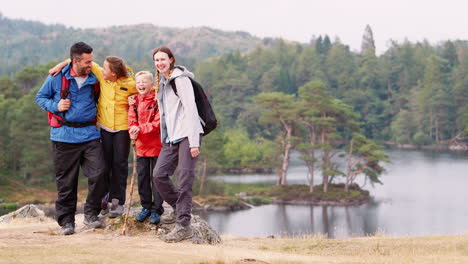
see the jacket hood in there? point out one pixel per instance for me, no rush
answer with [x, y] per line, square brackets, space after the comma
[128, 78]
[181, 71]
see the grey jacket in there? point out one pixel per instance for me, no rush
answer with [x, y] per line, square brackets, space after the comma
[179, 115]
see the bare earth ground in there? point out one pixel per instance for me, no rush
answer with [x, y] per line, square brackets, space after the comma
[34, 241]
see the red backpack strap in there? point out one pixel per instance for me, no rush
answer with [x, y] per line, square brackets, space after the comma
[97, 89]
[135, 108]
[65, 87]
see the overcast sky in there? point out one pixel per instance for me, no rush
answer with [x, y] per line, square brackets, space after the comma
[297, 20]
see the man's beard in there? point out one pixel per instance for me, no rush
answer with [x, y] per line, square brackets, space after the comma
[84, 71]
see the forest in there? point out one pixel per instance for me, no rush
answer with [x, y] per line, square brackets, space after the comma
[272, 97]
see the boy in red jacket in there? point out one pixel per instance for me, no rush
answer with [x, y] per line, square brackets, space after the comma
[144, 128]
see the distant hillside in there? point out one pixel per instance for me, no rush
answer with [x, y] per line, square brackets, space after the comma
[29, 43]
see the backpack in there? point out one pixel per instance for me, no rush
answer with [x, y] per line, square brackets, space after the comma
[58, 121]
[205, 111]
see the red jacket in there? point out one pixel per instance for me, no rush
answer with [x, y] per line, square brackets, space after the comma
[148, 142]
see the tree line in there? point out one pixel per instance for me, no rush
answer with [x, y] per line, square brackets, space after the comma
[320, 99]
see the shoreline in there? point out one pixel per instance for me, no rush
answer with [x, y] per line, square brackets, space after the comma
[49, 208]
[451, 147]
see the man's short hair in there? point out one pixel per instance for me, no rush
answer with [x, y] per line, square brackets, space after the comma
[79, 48]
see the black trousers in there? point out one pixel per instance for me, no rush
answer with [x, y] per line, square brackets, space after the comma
[68, 158]
[171, 156]
[116, 149]
[149, 196]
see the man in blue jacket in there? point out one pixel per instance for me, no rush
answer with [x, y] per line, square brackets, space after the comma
[75, 143]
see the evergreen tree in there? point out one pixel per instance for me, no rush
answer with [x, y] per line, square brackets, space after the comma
[364, 157]
[278, 108]
[319, 45]
[435, 102]
[309, 115]
[340, 68]
[326, 44]
[449, 53]
[9, 89]
[325, 118]
[460, 94]
[30, 137]
[308, 67]
[368, 43]
[375, 111]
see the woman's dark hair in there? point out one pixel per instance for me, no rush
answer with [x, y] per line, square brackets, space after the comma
[79, 48]
[117, 66]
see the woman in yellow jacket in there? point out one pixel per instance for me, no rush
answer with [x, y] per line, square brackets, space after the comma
[117, 83]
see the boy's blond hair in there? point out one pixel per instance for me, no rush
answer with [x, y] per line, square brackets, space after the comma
[148, 75]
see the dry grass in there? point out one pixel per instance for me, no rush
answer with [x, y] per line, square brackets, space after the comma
[30, 241]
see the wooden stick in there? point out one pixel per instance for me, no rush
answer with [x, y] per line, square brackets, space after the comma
[134, 172]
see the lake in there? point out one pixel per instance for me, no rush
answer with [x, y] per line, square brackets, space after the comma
[424, 193]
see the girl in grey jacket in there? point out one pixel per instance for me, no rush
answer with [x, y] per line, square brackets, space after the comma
[181, 138]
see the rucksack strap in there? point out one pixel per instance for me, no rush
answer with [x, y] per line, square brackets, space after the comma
[97, 90]
[135, 108]
[64, 92]
[155, 108]
[174, 87]
[153, 114]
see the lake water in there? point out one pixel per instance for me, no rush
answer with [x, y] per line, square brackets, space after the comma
[424, 193]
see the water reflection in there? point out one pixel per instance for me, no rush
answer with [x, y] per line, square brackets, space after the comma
[424, 193]
[293, 220]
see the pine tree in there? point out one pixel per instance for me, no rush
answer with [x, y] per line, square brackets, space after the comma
[364, 157]
[368, 44]
[279, 108]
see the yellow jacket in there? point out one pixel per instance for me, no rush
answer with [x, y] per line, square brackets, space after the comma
[112, 109]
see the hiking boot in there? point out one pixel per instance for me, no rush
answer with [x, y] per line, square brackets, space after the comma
[178, 234]
[104, 211]
[104, 207]
[116, 209]
[155, 218]
[92, 221]
[168, 218]
[141, 217]
[68, 229]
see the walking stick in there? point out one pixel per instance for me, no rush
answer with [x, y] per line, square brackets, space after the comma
[134, 172]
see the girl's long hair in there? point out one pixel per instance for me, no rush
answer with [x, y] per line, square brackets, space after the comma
[117, 66]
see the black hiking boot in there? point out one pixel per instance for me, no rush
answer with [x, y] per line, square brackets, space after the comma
[67, 229]
[92, 221]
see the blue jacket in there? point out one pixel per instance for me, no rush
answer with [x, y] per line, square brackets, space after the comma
[82, 109]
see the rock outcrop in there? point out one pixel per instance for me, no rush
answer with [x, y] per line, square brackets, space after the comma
[203, 233]
[27, 211]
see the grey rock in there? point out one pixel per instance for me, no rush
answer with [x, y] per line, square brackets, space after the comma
[27, 211]
[203, 233]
